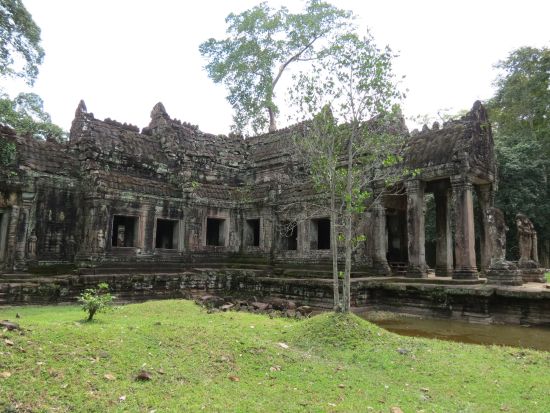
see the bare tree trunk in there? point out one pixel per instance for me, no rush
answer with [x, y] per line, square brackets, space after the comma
[347, 265]
[348, 226]
[334, 248]
[272, 121]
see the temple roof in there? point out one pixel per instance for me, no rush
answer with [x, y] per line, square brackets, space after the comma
[467, 142]
[168, 155]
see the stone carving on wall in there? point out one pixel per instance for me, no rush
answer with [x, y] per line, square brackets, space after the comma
[31, 246]
[100, 240]
[527, 238]
[528, 260]
[497, 233]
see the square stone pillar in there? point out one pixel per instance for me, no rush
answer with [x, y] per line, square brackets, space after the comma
[444, 239]
[23, 231]
[465, 256]
[379, 239]
[485, 195]
[415, 229]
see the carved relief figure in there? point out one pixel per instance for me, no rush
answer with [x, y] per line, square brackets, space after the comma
[31, 248]
[71, 247]
[527, 238]
[497, 233]
[100, 240]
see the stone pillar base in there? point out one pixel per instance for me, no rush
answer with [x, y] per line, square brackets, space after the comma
[381, 267]
[502, 272]
[534, 275]
[443, 272]
[414, 271]
[504, 277]
[465, 274]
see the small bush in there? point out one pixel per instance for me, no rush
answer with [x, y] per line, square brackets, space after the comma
[96, 300]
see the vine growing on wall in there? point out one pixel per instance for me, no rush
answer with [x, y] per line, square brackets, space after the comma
[8, 152]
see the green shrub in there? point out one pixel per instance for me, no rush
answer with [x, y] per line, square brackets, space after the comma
[96, 300]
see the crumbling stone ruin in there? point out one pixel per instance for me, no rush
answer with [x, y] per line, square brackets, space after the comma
[501, 271]
[528, 260]
[174, 195]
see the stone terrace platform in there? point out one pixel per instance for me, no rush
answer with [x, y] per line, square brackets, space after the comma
[440, 297]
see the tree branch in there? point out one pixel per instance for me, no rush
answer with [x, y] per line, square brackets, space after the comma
[292, 59]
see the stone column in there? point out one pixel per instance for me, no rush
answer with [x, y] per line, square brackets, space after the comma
[181, 235]
[379, 239]
[486, 201]
[415, 229]
[23, 231]
[11, 239]
[444, 240]
[465, 256]
[535, 253]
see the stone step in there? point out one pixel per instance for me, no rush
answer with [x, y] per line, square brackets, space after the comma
[447, 281]
[312, 273]
[131, 269]
[32, 278]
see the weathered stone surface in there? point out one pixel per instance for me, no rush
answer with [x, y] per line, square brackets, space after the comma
[501, 271]
[227, 307]
[9, 325]
[114, 196]
[172, 210]
[259, 306]
[528, 249]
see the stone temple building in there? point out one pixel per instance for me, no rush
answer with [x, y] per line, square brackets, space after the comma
[173, 194]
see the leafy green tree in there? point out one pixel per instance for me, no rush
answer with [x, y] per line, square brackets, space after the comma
[20, 50]
[356, 81]
[520, 112]
[26, 115]
[96, 300]
[262, 44]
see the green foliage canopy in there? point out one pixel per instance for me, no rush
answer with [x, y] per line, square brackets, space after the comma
[95, 300]
[520, 112]
[26, 115]
[353, 84]
[20, 50]
[261, 45]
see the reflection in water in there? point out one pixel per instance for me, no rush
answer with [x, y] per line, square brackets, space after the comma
[537, 338]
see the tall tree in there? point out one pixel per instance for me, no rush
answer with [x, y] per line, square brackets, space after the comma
[520, 111]
[20, 50]
[262, 44]
[355, 80]
[26, 115]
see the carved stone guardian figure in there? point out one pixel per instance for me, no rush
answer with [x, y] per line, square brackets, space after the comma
[100, 241]
[528, 261]
[31, 247]
[500, 272]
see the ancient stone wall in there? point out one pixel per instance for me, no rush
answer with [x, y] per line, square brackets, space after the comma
[174, 194]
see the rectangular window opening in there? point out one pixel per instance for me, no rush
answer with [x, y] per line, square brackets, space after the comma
[289, 236]
[167, 234]
[215, 232]
[252, 232]
[124, 231]
[320, 234]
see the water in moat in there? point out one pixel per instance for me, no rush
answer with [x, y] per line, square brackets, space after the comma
[537, 338]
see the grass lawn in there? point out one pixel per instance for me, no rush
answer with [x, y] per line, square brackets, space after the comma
[241, 362]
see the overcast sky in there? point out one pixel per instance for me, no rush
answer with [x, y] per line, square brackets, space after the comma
[123, 56]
